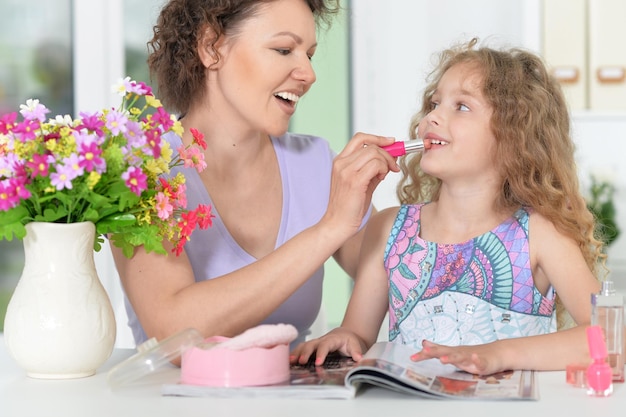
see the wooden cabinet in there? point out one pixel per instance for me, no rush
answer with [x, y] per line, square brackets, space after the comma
[583, 44]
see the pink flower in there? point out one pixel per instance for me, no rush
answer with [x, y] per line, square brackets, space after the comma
[139, 88]
[205, 216]
[135, 180]
[26, 130]
[153, 140]
[39, 165]
[192, 158]
[163, 206]
[33, 110]
[162, 118]
[8, 195]
[92, 123]
[181, 196]
[7, 121]
[116, 122]
[63, 177]
[90, 157]
[198, 137]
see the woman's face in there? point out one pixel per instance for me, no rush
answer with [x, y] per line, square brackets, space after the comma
[459, 125]
[265, 67]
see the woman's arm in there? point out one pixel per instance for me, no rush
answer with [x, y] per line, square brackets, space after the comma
[167, 299]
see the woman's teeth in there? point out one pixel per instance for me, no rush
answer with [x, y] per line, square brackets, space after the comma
[438, 142]
[288, 96]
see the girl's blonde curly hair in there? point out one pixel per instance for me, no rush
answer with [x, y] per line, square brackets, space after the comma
[534, 150]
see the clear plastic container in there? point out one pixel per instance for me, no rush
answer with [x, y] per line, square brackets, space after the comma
[151, 356]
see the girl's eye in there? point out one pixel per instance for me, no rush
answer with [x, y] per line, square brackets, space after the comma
[463, 107]
[433, 105]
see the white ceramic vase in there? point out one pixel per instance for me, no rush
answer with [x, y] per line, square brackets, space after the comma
[59, 322]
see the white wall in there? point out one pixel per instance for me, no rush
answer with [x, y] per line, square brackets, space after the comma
[392, 47]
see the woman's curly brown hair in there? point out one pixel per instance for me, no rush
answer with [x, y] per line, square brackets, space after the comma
[534, 149]
[174, 60]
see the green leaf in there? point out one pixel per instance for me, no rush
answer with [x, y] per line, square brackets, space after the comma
[115, 223]
[7, 231]
[14, 215]
[51, 215]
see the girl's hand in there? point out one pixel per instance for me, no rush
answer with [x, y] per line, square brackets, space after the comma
[344, 341]
[478, 359]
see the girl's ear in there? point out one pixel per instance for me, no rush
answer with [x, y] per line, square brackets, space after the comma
[208, 47]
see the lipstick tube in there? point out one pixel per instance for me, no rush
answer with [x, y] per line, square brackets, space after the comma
[401, 148]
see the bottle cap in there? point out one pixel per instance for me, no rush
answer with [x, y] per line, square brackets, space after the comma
[608, 288]
[597, 345]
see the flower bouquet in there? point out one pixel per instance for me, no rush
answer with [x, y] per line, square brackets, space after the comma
[109, 167]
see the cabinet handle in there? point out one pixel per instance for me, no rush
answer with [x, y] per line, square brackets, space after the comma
[611, 74]
[566, 74]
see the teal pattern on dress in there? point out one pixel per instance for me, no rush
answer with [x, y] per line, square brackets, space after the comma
[441, 290]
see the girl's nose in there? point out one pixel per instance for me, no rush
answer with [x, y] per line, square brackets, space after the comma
[433, 117]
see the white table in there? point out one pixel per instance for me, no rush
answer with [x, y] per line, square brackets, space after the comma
[91, 397]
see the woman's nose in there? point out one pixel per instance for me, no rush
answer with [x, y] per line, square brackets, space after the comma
[305, 72]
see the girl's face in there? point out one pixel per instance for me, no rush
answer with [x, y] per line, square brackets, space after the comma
[265, 67]
[459, 126]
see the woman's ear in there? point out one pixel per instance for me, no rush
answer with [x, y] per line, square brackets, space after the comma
[208, 48]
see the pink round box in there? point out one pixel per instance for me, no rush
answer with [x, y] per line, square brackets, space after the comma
[223, 367]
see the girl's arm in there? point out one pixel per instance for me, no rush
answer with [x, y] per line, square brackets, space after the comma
[368, 302]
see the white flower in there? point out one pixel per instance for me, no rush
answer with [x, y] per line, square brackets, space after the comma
[122, 86]
[62, 120]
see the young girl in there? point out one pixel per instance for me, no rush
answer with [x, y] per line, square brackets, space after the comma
[472, 276]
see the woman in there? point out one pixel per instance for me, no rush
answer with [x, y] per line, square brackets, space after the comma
[284, 203]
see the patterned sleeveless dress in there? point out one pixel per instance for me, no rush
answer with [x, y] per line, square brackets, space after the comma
[466, 293]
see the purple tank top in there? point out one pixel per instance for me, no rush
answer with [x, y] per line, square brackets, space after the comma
[305, 165]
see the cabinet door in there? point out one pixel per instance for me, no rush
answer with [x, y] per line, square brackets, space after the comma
[564, 47]
[607, 54]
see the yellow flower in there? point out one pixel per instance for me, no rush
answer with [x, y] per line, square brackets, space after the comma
[178, 127]
[153, 102]
[93, 179]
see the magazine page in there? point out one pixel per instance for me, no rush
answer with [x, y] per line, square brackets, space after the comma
[306, 381]
[389, 365]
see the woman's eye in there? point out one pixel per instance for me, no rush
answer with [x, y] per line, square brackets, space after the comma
[433, 105]
[283, 51]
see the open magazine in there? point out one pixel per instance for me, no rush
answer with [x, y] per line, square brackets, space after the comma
[387, 365]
